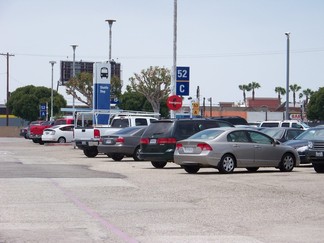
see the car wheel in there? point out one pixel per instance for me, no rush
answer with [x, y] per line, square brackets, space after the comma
[252, 169]
[61, 140]
[91, 152]
[158, 164]
[41, 142]
[136, 154]
[287, 163]
[227, 164]
[117, 157]
[35, 140]
[191, 169]
[319, 168]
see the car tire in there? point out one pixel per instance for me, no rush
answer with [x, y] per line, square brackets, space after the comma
[252, 169]
[287, 163]
[226, 164]
[61, 140]
[136, 154]
[117, 157]
[158, 164]
[35, 140]
[91, 152]
[191, 169]
[319, 168]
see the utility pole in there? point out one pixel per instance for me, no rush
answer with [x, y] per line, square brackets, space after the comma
[7, 109]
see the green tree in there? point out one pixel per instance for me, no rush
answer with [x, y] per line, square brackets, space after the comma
[294, 88]
[307, 93]
[154, 84]
[24, 102]
[315, 107]
[115, 87]
[244, 87]
[280, 91]
[132, 100]
[80, 87]
[253, 86]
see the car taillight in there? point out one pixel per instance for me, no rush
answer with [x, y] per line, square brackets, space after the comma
[179, 145]
[144, 141]
[96, 133]
[120, 140]
[166, 140]
[204, 146]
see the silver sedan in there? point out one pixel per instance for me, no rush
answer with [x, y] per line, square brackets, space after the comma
[229, 148]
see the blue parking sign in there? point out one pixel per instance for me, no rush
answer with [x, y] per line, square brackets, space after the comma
[183, 73]
[182, 88]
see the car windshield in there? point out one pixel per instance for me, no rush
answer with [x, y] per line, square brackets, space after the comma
[207, 134]
[275, 133]
[314, 133]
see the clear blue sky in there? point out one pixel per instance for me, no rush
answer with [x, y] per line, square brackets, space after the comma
[224, 42]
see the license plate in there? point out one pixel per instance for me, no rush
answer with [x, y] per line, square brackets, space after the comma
[108, 141]
[153, 141]
[92, 143]
[319, 154]
[188, 150]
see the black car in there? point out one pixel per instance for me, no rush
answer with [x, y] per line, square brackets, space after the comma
[300, 143]
[159, 139]
[282, 134]
[125, 142]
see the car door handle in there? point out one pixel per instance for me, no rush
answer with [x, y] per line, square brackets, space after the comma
[236, 145]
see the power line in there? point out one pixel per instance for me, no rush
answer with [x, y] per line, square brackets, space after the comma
[198, 55]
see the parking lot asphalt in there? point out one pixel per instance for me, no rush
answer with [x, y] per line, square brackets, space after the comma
[56, 194]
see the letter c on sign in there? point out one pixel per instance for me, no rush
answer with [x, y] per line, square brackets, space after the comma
[182, 88]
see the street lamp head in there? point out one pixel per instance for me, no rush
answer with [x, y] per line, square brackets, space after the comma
[52, 62]
[74, 46]
[110, 21]
[287, 34]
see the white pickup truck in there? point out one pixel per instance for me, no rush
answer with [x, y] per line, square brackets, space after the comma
[87, 138]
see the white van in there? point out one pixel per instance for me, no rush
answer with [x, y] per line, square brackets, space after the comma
[285, 123]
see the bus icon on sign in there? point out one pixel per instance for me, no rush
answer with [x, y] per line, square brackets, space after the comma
[104, 72]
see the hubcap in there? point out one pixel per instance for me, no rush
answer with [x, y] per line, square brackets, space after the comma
[228, 164]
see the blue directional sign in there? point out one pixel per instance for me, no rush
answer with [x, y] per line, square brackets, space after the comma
[183, 73]
[182, 82]
[182, 88]
[42, 110]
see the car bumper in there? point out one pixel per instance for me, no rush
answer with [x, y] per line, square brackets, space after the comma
[315, 156]
[166, 156]
[109, 149]
[86, 144]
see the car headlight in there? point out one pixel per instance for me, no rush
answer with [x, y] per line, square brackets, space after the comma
[302, 149]
[310, 145]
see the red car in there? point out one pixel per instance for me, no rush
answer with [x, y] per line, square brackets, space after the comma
[36, 131]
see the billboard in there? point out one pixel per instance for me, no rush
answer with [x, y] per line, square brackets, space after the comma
[66, 68]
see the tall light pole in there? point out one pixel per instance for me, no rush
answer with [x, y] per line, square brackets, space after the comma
[174, 67]
[287, 77]
[73, 74]
[110, 22]
[52, 100]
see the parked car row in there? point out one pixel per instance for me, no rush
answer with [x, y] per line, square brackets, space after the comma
[200, 143]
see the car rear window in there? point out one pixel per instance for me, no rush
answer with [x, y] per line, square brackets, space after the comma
[158, 129]
[120, 123]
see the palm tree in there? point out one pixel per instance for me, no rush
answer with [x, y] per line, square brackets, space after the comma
[307, 93]
[253, 86]
[244, 88]
[280, 91]
[294, 88]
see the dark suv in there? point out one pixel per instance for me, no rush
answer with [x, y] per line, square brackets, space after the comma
[159, 139]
